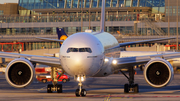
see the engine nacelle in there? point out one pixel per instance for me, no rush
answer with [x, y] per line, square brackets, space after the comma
[20, 73]
[158, 72]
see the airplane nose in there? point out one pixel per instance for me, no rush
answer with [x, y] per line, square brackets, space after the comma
[79, 64]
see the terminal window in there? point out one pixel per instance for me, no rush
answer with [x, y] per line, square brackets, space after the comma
[128, 3]
[121, 3]
[1, 12]
[108, 3]
[87, 3]
[94, 3]
[134, 4]
[75, 3]
[114, 3]
[81, 1]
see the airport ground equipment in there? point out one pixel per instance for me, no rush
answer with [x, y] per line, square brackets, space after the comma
[47, 78]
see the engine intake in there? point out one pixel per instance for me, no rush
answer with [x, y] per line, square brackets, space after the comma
[158, 72]
[20, 73]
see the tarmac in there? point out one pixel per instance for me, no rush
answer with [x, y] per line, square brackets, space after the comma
[110, 88]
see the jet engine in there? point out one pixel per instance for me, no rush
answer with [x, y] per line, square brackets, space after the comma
[20, 73]
[158, 72]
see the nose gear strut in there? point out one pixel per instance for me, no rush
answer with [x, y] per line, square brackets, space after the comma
[79, 91]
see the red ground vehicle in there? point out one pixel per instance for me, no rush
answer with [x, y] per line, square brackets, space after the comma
[41, 70]
[47, 78]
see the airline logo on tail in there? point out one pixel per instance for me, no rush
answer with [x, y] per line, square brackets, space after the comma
[61, 34]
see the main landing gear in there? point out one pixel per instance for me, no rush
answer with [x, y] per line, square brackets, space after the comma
[54, 86]
[131, 87]
[79, 91]
[57, 87]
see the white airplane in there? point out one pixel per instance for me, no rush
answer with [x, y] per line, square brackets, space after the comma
[82, 55]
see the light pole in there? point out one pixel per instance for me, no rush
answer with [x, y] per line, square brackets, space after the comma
[177, 45]
[90, 14]
[168, 22]
[81, 16]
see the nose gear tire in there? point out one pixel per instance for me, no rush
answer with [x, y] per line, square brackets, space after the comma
[83, 92]
[77, 92]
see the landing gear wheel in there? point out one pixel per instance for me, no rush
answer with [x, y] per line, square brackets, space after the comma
[59, 88]
[131, 87]
[77, 92]
[64, 80]
[49, 90]
[136, 88]
[83, 92]
[126, 88]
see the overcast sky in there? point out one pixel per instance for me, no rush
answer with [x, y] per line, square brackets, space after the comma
[8, 1]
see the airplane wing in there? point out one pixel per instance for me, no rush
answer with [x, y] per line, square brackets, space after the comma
[141, 41]
[121, 63]
[50, 61]
[48, 39]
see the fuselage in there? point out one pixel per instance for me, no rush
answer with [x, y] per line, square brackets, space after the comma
[83, 53]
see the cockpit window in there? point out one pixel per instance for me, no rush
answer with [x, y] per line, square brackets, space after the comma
[88, 50]
[72, 50]
[82, 50]
[79, 50]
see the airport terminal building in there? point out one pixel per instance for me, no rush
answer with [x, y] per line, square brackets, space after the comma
[127, 17]
[124, 17]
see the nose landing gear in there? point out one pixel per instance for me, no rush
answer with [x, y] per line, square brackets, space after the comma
[80, 91]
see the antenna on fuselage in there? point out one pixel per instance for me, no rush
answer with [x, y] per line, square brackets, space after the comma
[102, 24]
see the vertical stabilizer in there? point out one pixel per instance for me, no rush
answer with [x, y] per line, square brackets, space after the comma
[61, 34]
[102, 24]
